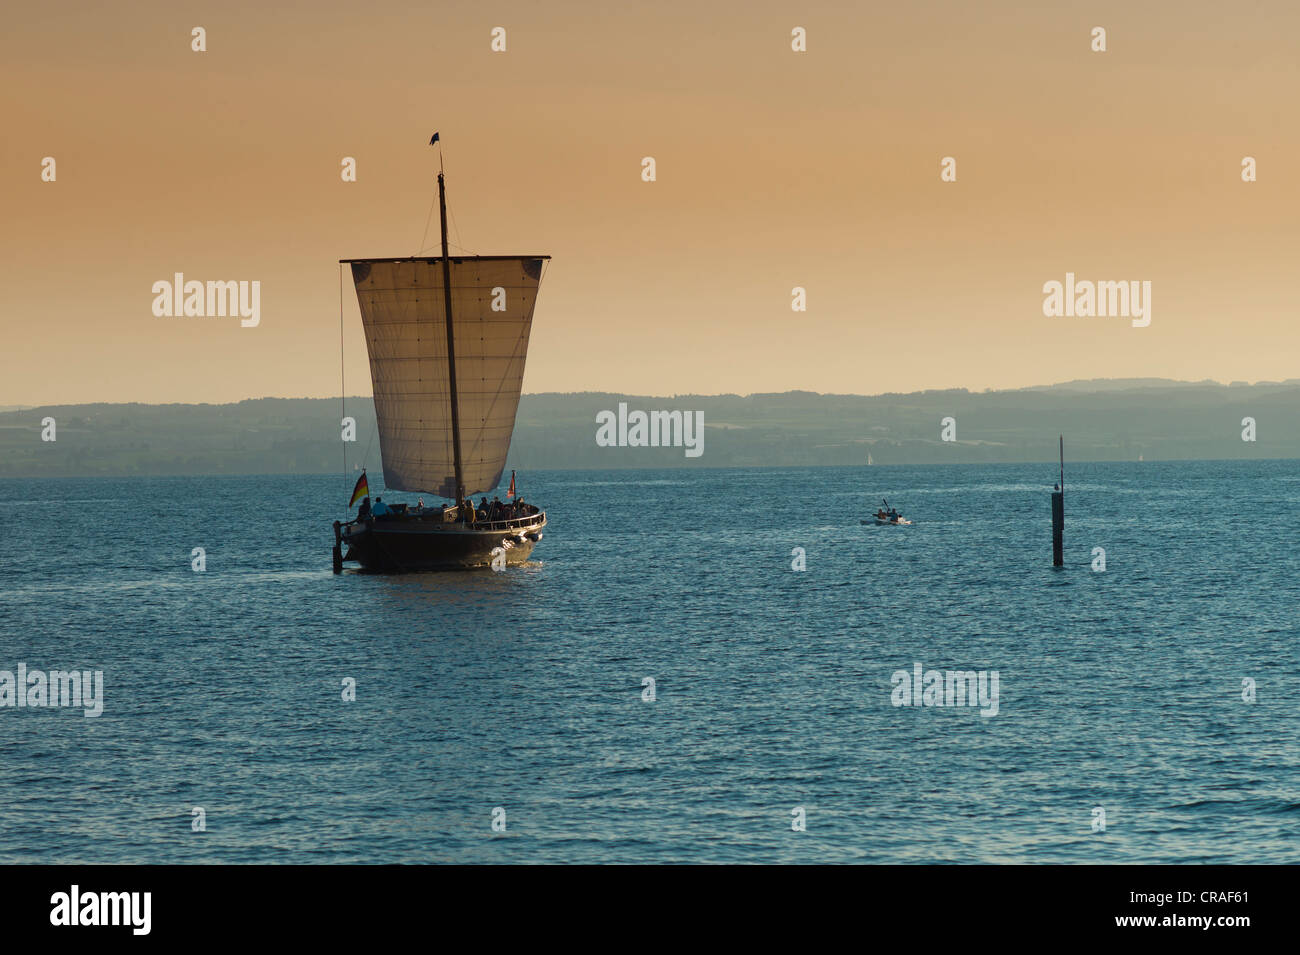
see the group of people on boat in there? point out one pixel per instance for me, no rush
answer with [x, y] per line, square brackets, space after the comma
[888, 513]
[366, 510]
[498, 510]
[467, 513]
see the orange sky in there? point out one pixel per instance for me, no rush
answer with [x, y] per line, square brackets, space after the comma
[775, 169]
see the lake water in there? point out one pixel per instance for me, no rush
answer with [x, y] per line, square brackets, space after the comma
[1120, 690]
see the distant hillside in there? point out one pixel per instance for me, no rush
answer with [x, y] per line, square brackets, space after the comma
[1128, 384]
[1102, 421]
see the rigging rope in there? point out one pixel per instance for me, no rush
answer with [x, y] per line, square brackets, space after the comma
[427, 220]
[424, 240]
[343, 387]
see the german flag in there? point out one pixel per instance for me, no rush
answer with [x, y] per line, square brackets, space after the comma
[361, 490]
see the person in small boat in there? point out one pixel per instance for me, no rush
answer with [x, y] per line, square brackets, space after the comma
[380, 509]
[363, 512]
[419, 506]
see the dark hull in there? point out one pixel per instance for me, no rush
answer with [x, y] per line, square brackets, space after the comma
[396, 546]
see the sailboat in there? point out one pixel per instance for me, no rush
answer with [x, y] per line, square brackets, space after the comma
[447, 339]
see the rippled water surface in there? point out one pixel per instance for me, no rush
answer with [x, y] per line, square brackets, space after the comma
[523, 690]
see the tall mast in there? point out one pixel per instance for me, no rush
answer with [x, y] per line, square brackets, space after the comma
[451, 343]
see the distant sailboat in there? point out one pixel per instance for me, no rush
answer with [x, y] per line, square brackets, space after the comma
[868, 459]
[447, 339]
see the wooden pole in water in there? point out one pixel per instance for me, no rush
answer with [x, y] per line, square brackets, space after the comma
[1058, 515]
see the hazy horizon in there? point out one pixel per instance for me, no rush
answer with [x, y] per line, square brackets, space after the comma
[562, 430]
[1107, 385]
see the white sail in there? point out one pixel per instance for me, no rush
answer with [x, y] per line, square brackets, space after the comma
[402, 309]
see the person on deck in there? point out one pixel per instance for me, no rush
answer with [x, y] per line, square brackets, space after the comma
[363, 512]
[380, 509]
